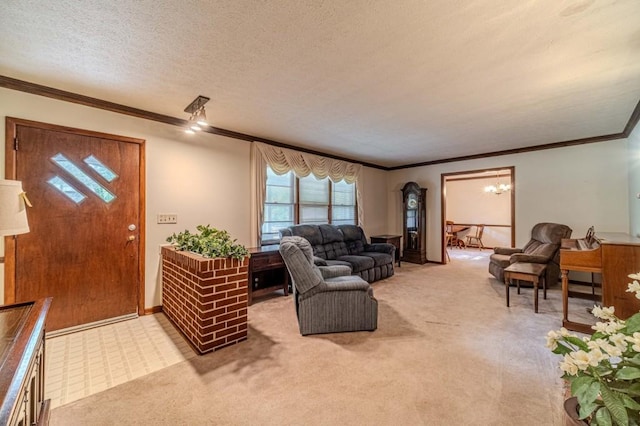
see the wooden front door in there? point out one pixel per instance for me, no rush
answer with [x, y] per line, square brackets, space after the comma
[85, 241]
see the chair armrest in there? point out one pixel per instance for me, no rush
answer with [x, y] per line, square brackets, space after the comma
[528, 258]
[334, 271]
[350, 283]
[318, 261]
[380, 248]
[506, 250]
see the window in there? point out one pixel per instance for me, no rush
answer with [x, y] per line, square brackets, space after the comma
[314, 200]
[83, 178]
[278, 205]
[318, 201]
[343, 202]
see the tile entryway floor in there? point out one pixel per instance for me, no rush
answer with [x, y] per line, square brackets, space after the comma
[86, 362]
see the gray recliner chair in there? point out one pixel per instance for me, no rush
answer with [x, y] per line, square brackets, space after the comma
[544, 247]
[327, 298]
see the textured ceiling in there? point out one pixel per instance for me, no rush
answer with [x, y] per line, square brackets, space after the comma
[386, 82]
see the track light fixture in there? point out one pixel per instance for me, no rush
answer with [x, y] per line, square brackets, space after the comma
[198, 118]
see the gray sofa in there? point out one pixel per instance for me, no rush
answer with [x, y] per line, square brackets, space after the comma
[346, 245]
[327, 298]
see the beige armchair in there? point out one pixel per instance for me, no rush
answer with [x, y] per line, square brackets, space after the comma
[544, 247]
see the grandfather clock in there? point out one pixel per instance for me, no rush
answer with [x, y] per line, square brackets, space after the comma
[414, 229]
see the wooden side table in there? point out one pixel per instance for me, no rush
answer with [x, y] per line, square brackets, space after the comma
[267, 271]
[533, 272]
[389, 239]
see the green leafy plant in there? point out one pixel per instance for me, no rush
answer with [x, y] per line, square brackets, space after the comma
[209, 242]
[604, 369]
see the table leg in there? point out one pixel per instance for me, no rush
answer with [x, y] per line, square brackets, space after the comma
[518, 285]
[544, 286]
[285, 286]
[506, 284]
[565, 295]
[535, 295]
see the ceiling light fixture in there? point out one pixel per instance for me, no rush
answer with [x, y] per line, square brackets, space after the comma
[198, 118]
[498, 188]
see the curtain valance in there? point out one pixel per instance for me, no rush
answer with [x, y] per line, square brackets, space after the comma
[281, 160]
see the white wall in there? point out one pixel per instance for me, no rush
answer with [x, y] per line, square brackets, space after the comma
[579, 186]
[203, 178]
[375, 202]
[634, 182]
[467, 202]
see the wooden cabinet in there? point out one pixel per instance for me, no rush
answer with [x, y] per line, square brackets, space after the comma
[267, 272]
[22, 358]
[389, 239]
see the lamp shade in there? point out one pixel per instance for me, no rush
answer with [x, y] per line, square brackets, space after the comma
[13, 212]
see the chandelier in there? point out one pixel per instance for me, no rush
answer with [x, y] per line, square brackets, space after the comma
[498, 188]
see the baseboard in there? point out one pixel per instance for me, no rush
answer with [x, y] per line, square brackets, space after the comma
[83, 327]
[153, 310]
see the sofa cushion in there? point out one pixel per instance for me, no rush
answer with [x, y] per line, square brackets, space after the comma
[330, 234]
[541, 249]
[296, 252]
[331, 251]
[318, 261]
[500, 259]
[358, 263]
[310, 232]
[354, 238]
[379, 259]
[550, 233]
[355, 247]
[338, 262]
[352, 232]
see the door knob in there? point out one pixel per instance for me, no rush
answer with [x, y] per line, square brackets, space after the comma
[131, 227]
[131, 237]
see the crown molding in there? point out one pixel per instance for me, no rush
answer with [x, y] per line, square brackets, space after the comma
[631, 124]
[50, 92]
[62, 95]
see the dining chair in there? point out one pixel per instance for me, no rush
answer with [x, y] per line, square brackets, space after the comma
[476, 240]
[448, 236]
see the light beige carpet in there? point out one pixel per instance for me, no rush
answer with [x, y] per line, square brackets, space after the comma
[447, 352]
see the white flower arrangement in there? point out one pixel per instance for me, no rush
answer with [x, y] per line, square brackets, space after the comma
[604, 369]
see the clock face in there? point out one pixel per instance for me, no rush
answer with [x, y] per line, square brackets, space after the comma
[412, 201]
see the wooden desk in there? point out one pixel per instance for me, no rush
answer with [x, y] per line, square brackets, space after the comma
[533, 272]
[389, 239]
[267, 271]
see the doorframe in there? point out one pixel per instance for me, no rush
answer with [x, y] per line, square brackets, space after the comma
[11, 125]
[443, 203]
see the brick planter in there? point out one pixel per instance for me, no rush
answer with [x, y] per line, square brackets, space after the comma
[205, 298]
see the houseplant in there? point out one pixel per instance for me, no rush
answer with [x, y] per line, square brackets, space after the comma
[603, 369]
[209, 242]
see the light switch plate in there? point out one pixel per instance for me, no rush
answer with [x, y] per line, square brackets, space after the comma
[167, 218]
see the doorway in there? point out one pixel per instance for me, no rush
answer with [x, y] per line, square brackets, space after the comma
[479, 197]
[85, 247]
